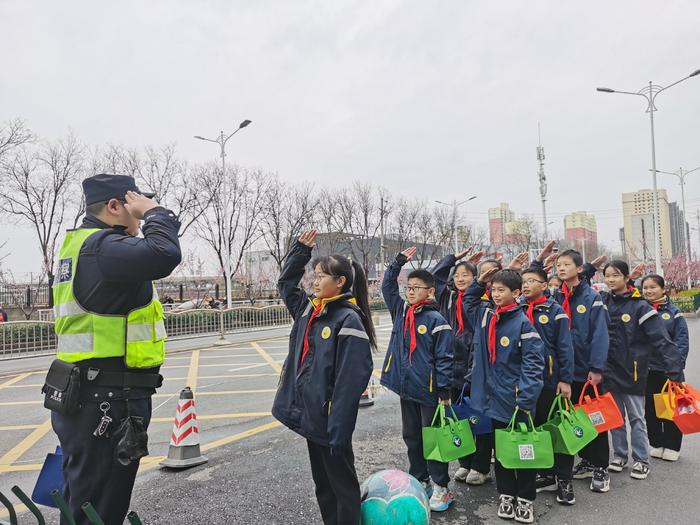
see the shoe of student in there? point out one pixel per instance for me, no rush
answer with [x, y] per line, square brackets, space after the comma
[477, 478]
[524, 512]
[545, 483]
[462, 474]
[506, 508]
[565, 492]
[601, 480]
[441, 499]
[617, 465]
[639, 470]
[671, 455]
[657, 452]
[583, 470]
[428, 487]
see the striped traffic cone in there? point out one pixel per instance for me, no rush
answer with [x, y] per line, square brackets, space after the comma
[184, 441]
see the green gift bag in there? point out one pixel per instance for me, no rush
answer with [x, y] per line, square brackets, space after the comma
[522, 446]
[570, 427]
[450, 439]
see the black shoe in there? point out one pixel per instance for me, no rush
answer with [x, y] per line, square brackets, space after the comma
[565, 492]
[583, 470]
[546, 483]
[601, 480]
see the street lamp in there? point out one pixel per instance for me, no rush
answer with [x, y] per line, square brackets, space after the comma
[221, 140]
[681, 177]
[455, 205]
[649, 93]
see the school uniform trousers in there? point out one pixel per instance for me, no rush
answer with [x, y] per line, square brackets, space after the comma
[514, 482]
[563, 463]
[480, 460]
[597, 452]
[663, 433]
[414, 417]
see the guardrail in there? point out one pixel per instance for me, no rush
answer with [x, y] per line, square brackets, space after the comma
[36, 338]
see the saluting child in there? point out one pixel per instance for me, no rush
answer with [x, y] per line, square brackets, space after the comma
[327, 369]
[419, 368]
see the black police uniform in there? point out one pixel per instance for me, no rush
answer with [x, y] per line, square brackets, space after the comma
[114, 277]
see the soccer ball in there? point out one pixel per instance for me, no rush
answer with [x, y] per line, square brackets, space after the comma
[393, 497]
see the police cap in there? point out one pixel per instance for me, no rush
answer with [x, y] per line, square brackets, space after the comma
[102, 187]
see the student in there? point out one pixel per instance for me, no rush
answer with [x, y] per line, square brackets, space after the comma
[450, 294]
[664, 437]
[507, 372]
[419, 368]
[636, 332]
[554, 284]
[588, 320]
[552, 323]
[327, 369]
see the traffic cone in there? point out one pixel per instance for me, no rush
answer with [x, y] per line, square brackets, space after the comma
[184, 441]
[365, 399]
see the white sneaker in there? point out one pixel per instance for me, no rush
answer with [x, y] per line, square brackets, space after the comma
[656, 452]
[462, 474]
[524, 512]
[441, 499]
[668, 455]
[477, 478]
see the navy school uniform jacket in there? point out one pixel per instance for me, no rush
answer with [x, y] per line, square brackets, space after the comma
[430, 370]
[552, 323]
[446, 296]
[319, 399]
[677, 328]
[589, 328]
[515, 379]
[636, 333]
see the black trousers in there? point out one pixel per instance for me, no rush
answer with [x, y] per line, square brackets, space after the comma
[414, 417]
[597, 452]
[563, 463]
[663, 433]
[337, 487]
[89, 468]
[514, 482]
[480, 460]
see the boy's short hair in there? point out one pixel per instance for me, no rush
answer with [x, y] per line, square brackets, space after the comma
[508, 278]
[573, 255]
[539, 272]
[423, 275]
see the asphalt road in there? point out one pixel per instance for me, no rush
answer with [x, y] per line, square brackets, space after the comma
[258, 471]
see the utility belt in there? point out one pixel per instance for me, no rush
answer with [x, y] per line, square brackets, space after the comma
[64, 380]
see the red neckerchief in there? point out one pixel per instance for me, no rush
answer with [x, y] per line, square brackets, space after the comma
[410, 324]
[458, 306]
[566, 305]
[313, 316]
[492, 329]
[531, 308]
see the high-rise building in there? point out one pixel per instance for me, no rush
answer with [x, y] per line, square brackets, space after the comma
[679, 229]
[581, 230]
[638, 212]
[498, 218]
[517, 232]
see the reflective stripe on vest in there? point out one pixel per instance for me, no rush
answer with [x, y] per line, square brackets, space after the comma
[139, 337]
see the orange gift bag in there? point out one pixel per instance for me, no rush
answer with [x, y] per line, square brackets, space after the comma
[601, 409]
[686, 415]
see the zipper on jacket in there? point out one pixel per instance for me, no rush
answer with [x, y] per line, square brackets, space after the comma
[635, 371]
[551, 366]
[431, 381]
[388, 363]
[516, 392]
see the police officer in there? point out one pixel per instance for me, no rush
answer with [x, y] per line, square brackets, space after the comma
[109, 325]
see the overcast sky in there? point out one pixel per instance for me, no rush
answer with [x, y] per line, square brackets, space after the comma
[438, 99]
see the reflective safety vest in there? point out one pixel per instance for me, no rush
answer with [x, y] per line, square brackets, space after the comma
[138, 336]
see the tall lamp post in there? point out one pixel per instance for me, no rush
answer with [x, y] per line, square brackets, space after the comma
[221, 140]
[650, 93]
[681, 177]
[456, 205]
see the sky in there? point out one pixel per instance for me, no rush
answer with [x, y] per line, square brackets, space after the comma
[434, 99]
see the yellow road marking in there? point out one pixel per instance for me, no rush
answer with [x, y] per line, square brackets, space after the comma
[377, 373]
[193, 372]
[236, 415]
[14, 380]
[231, 392]
[20, 448]
[267, 357]
[218, 365]
[29, 467]
[241, 435]
[19, 509]
[16, 403]
[19, 427]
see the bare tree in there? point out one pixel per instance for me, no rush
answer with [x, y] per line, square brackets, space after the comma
[38, 187]
[289, 211]
[330, 222]
[23, 296]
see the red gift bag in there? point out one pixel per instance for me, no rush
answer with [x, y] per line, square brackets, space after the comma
[602, 409]
[687, 413]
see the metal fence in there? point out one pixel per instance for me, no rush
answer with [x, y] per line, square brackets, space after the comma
[36, 338]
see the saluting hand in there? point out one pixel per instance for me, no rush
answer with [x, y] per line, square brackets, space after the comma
[409, 252]
[476, 257]
[485, 277]
[598, 262]
[463, 253]
[637, 271]
[137, 205]
[308, 238]
[519, 262]
[546, 251]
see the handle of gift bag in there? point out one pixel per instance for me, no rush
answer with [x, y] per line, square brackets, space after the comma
[511, 425]
[439, 411]
[460, 399]
[583, 391]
